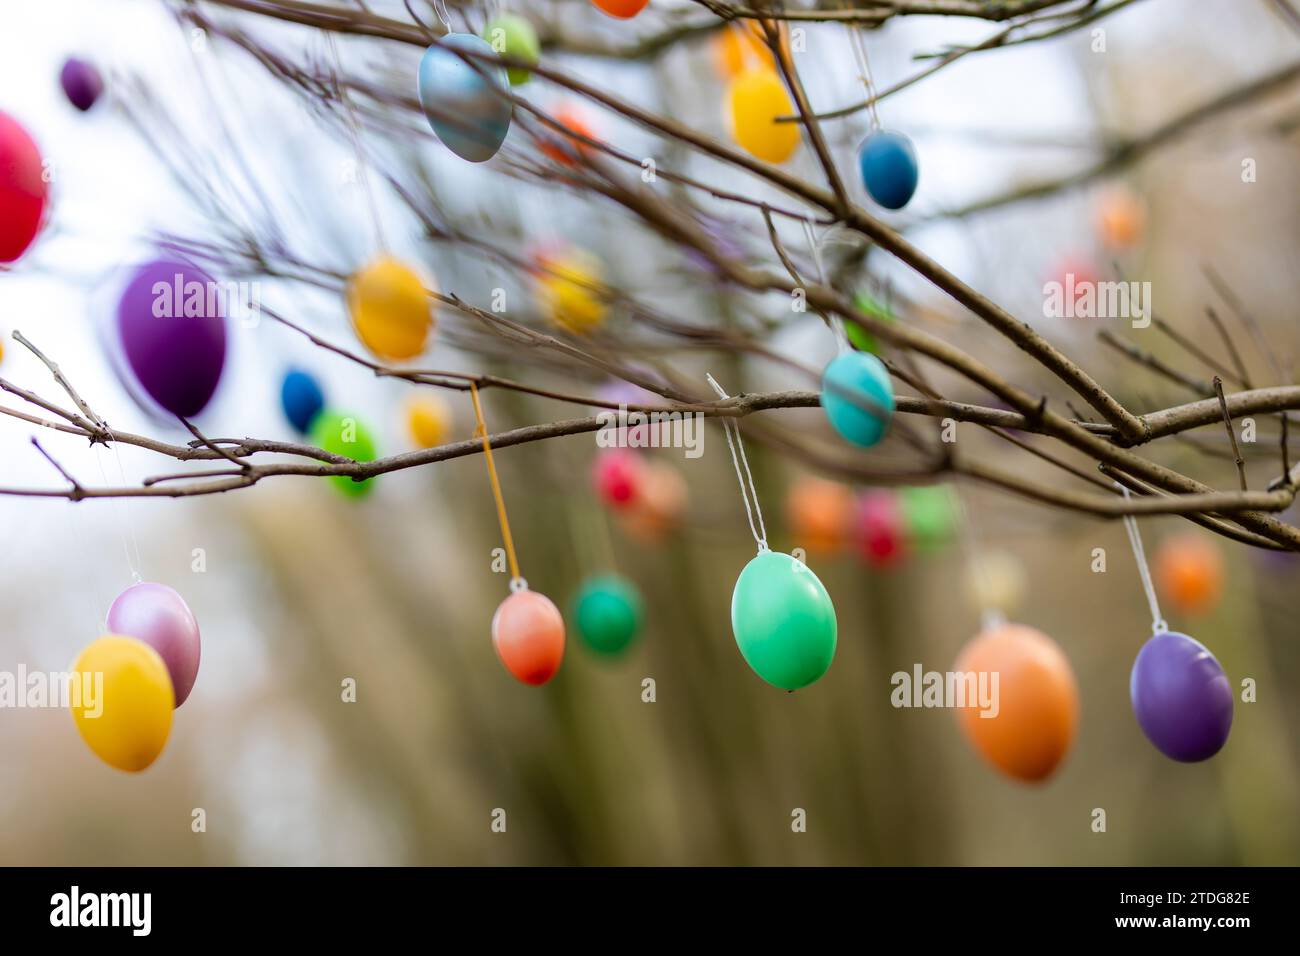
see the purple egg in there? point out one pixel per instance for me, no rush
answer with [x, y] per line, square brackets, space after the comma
[1181, 697]
[81, 82]
[157, 615]
[172, 329]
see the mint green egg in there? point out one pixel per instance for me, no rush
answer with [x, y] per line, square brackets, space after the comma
[514, 36]
[783, 620]
[341, 434]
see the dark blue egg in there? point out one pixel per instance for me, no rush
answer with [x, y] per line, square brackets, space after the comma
[302, 399]
[889, 170]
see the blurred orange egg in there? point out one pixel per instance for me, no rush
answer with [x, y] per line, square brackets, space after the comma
[1033, 711]
[1189, 572]
[562, 148]
[820, 514]
[659, 505]
[742, 45]
[528, 634]
[1121, 219]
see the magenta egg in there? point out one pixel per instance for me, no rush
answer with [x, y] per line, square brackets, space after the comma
[157, 615]
[171, 332]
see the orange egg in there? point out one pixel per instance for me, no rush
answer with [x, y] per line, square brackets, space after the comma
[623, 9]
[1121, 218]
[528, 634]
[1034, 703]
[819, 513]
[659, 504]
[1189, 572]
[742, 45]
[561, 148]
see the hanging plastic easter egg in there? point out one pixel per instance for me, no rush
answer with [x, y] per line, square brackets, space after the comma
[659, 503]
[513, 36]
[466, 99]
[301, 398]
[880, 527]
[568, 291]
[1189, 573]
[171, 334]
[391, 309]
[1181, 697]
[562, 147]
[623, 9]
[887, 161]
[124, 713]
[1121, 218]
[428, 421]
[783, 621]
[528, 634]
[24, 193]
[617, 475]
[81, 82]
[1025, 723]
[819, 513]
[860, 338]
[755, 99]
[996, 582]
[930, 512]
[858, 397]
[609, 613]
[158, 616]
[341, 434]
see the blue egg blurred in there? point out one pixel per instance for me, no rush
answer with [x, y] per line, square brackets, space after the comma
[302, 399]
[858, 397]
[466, 101]
[889, 170]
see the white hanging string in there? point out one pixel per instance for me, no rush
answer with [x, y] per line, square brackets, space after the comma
[745, 478]
[864, 70]
[440, 8]
[836, 323]
[1158, 625]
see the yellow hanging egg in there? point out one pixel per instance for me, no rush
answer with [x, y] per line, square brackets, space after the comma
[123, 701]
[391, 309]
[568, 291]
[756, 98]
[428, 419]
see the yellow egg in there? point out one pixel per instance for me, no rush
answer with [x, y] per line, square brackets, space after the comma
[428, 419]
[391, 309]
[568, 291]
[997, 581]
[756, 98]
[123, 709]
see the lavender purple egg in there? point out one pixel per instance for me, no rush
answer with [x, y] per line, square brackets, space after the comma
[1181, 697]
[81, 82]
[158, 616]
[172, 330]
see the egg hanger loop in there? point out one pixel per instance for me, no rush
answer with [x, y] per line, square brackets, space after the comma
[440, 8]
[746, 479]
[1158, 625]
[517, 582]
[864, 71]
[836, 323]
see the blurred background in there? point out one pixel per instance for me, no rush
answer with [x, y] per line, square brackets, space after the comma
[298, 588]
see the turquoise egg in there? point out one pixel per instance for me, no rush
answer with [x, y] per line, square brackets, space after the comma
[609, 612]
[783, 620]
[858, 397]
[467, 102]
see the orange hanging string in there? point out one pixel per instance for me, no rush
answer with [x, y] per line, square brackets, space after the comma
[496, 488]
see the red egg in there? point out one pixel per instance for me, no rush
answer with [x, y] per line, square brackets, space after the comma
[24, 193]
[622, 9]
[528, 634]
[881, 528]
[617, 474]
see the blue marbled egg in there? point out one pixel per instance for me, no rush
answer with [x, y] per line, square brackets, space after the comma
[466, 100]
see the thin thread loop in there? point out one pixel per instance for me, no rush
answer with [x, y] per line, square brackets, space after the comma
[745, 478]
[517, 582]
[1158, 625]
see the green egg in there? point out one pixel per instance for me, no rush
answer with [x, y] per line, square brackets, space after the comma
[860, 338]
[609, 613]
[512, 35]
[342, 434]
[783, 620]
[930, 514]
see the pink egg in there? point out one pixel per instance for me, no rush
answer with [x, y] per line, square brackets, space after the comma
[158, 616]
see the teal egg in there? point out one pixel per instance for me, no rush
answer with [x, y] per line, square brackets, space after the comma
[858, 397]
[783, 620]
[609, 613]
